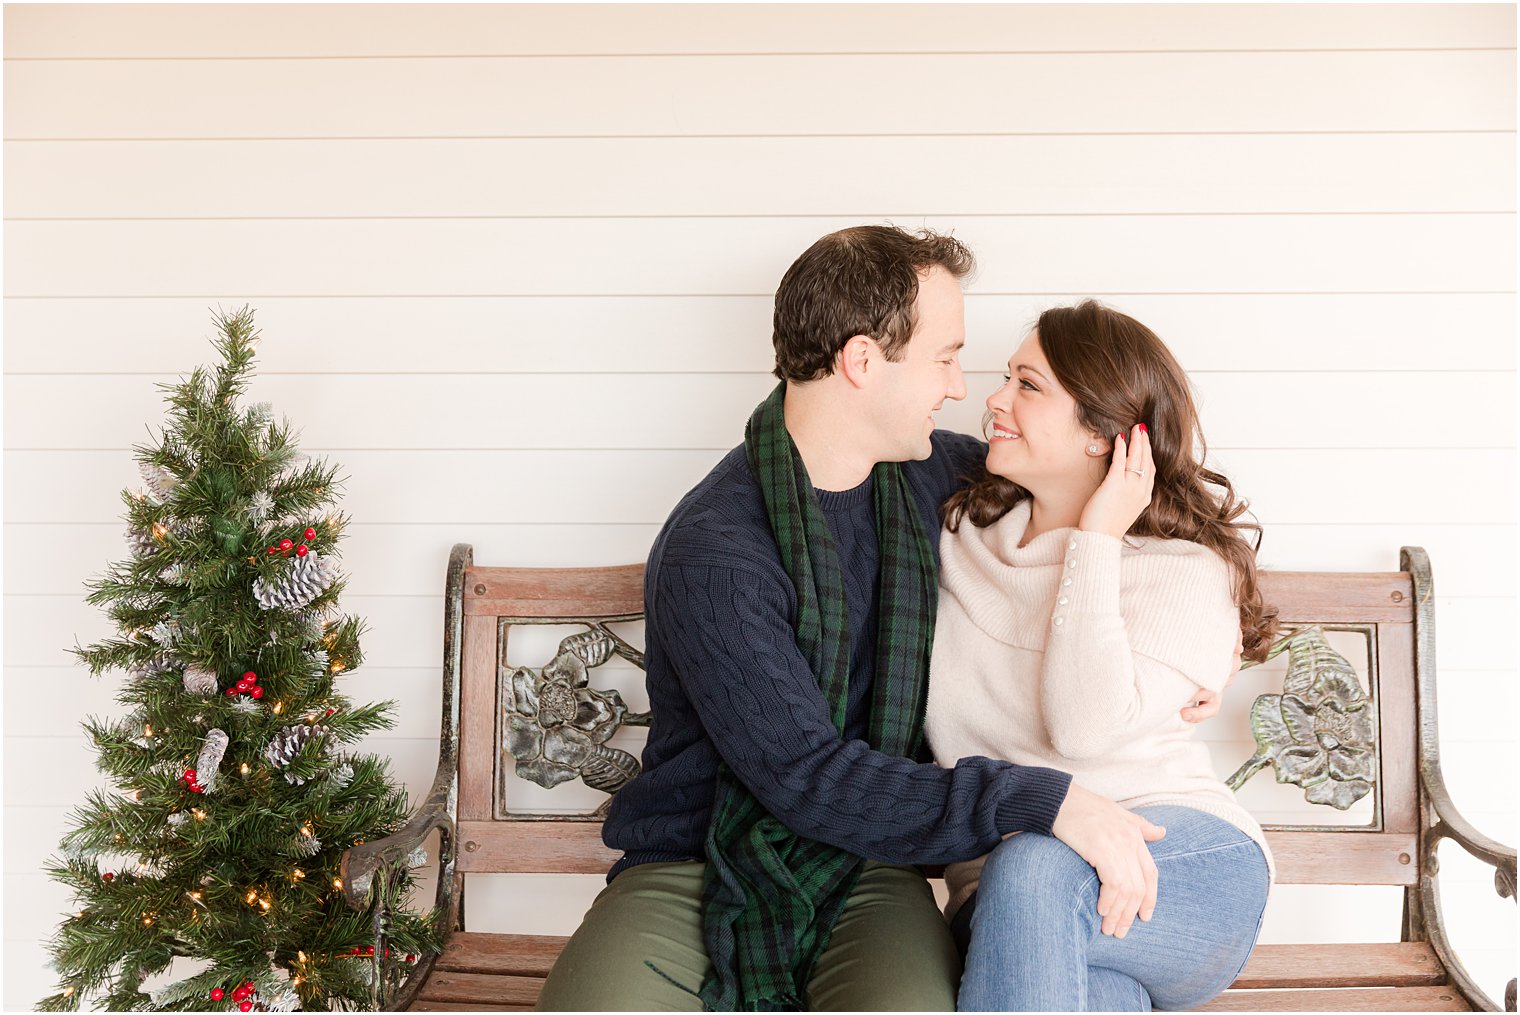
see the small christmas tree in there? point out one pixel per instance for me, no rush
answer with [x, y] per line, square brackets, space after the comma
[233, 804]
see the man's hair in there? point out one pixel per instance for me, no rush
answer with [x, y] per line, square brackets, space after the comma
[858, 281]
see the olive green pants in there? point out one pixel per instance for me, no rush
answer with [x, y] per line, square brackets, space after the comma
[890, 951]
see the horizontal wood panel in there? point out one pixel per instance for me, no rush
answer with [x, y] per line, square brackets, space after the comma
[409, 559]
[534, 846]
[549, 411]
[1367, 999]
[1355, 598]
[1357, 858]
[554, 592]
[703, 95]
[144, 30]
[1407, 964]
[475, 988]
[513, 954]
[774, 176]
[1215, 253]
[558, 487]
[674, 334]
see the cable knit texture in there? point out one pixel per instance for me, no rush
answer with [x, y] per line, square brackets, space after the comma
[1078, 652]
[726, 678]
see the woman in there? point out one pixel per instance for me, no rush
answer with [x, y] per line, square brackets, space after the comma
[1091, 582]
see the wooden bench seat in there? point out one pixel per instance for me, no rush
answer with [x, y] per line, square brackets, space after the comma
[1411, 813]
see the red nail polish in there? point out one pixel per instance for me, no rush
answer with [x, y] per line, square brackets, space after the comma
[1143, 429]
[1118, 437]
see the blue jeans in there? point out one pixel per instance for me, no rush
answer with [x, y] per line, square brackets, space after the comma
[1035, 939]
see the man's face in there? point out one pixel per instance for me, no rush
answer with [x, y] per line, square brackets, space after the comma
[913, 389]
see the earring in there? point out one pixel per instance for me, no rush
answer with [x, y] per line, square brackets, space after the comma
[1093, 449]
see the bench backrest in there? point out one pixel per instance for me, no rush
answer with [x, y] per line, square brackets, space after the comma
[1391, 610]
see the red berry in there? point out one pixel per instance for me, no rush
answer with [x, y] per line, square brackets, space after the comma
[411, 958]
[257, 692]
[369, 949]
[190, 775]
[357, 951]
[310, 534]
[251, 677]
[232, 690]
[243, 685]
[301, 550]
[329, 712]
[245, 1006]
[248, 986]
[198, 788]
[216, 994]
[387, 953]
[286, 544]
[272, 550]
[108, 876]
[239, 994]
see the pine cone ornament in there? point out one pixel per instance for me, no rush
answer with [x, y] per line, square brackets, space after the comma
[160, 481]
[154, 665]
[306, 579]
[141, 542]
[210, 759]
[287, 743]
[199, 681]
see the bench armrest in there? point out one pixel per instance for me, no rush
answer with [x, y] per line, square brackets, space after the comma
[1450, 824]
[361, 863]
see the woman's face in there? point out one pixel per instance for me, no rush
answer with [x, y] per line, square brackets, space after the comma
[1036, 440]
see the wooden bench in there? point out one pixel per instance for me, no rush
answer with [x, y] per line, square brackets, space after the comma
[1411, 810]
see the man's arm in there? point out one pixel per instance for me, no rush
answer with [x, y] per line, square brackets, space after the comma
[732, 645]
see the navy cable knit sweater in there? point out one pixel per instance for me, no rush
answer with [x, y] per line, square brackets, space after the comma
[726, 678]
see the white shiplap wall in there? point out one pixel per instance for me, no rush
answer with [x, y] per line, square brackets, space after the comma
[513, 267]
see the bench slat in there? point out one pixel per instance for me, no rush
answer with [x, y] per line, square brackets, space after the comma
[1347, 999]
[512, 954]
[1409, 964]
[566, 847]
[554, 591]
[459, 1006]
[481, 988]
[1341, 596]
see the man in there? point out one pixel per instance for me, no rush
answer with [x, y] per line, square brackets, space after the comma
[789, 614]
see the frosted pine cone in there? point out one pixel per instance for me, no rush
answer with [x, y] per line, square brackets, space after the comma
[199, 681]
[287, 743]
[158, 479]
[306, 579]
[210, 758]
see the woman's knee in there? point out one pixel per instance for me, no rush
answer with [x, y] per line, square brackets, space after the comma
[1029, 866]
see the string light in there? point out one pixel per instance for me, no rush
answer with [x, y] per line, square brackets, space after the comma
[147, 730]
[338, 883]
[296, 982]
[300, 956]
[245, 768]
[337, 666]
[279, 707]
[147, 921]
[252, 897]
[120, 837]
[298, 874]
[264, 905]
[68, 991]
[159, 531]
[200, 815]
[306, 830]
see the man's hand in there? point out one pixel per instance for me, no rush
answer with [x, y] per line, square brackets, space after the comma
[1112, 840]
[1207, 703]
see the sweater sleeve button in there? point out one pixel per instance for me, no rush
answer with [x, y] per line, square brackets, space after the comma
[1071, 563]
[1063, 600]
[1059, 621]
[1072, 545]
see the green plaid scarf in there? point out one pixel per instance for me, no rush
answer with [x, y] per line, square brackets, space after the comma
[770, 897]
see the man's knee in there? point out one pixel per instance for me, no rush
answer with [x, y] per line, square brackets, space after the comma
[639, 947]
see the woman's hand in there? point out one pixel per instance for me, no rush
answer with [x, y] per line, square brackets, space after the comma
[1126, 490]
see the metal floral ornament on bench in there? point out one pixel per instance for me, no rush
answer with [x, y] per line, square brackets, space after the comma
[1319, 732]
[557, 725]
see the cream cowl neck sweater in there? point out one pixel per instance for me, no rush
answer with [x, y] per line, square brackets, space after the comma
[1077, 652]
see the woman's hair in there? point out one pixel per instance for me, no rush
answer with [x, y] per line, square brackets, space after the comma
[1121, 374]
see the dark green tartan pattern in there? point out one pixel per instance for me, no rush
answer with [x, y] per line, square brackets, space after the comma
[770, 896]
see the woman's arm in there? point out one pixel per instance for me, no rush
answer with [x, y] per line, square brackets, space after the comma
[1096, 693]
